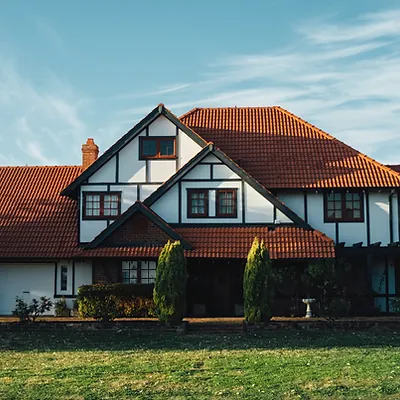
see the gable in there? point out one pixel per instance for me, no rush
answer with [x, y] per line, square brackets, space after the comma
[137, 230]
[121, 162]
[211, 170]
[137, 225]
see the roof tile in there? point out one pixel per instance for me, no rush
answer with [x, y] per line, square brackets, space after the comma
[281, 150]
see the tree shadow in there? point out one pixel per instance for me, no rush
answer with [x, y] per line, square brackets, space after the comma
[128, 340]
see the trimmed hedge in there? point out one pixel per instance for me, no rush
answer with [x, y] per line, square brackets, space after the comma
[110, 301]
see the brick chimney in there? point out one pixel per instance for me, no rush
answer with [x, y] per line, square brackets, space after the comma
[90, 151]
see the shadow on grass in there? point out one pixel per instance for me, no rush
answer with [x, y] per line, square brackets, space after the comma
[68, 340]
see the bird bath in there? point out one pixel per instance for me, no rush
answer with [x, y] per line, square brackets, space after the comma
[308, 302]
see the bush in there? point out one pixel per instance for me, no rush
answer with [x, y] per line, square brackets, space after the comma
[328, 281]
[257, 284]
[61, 309]
[170, 287]
[107, 302]
[28, 313]
[395, 304]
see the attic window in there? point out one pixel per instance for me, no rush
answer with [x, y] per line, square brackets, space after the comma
[160, 147]
[101, 205]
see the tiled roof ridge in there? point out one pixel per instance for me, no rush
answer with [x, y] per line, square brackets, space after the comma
[330, 137]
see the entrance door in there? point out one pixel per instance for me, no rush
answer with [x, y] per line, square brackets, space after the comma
[221, 292]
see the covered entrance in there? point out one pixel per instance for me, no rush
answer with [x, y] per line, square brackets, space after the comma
[215, 288]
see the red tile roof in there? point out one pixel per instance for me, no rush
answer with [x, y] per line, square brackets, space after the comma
[235, 242]
[35, 221]
[281, 150]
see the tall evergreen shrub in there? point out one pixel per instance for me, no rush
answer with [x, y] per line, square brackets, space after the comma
[170, 285]
[257, 284]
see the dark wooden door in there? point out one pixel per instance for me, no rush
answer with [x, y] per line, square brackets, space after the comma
[221, 296]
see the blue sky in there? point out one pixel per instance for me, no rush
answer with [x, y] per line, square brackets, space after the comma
[72, 70]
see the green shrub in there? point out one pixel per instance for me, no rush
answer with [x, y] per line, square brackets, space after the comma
[61, 309]
[107, 302]
[395, 304]
[328, 281]
[36, 308]
[257, 284]
[170, 287]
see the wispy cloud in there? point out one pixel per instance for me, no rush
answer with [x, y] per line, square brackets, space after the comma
[43, 126]
[343, 77]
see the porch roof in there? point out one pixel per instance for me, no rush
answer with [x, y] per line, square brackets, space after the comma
[234, 242]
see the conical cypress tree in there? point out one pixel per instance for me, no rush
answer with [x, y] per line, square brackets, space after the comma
[257, 284]
[170, 285]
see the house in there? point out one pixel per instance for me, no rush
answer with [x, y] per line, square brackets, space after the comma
[214, 179]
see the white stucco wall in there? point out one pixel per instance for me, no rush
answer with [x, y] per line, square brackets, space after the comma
[26, 280]
[294, 200]
[106, 173]
[160, 170]
[83, 274]
[187, 149]
[167, 206]
[258, 209]
[379, 217]
[131, 169]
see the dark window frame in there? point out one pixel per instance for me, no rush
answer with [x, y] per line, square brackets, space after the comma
[345, 216]
[217, 201]
[158, 140]
[139, 269]
[101, 217]
[189, 203]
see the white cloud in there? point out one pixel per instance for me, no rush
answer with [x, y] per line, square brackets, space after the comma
[42, 120]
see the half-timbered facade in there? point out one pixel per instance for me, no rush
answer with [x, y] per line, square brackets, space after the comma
[213, 179]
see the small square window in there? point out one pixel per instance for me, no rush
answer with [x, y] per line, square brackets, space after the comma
[101, 205]
[197, 203]
[226, 203]
[344, 207]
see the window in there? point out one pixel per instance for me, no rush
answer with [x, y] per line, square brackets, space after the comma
[197, 203]
[226, 203]
[138, 272]
[344, 207]
[157, 147]
[64, 278]
[97, 205]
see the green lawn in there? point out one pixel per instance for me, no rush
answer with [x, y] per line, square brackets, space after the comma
[274, 365]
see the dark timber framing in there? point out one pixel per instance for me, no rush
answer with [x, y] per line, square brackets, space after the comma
[117, 168]
[305, 207]
[367, 216]
[135, 208]
[391, 217]
[71, 189]
[211, 149]
[243, 203]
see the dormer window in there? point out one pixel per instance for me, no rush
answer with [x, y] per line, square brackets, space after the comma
[160, 147]
[101, 205]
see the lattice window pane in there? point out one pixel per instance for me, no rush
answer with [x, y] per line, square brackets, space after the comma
[167, 148]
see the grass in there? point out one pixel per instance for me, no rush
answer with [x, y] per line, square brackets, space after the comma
[272, 365]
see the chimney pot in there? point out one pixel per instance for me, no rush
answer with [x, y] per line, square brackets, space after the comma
[90, 152]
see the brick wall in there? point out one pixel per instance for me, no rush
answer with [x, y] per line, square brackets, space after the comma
[138, 229]
[107, 271]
